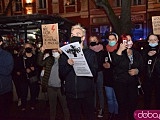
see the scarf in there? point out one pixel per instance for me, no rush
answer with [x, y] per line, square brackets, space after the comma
[111, 48]
[96, 48]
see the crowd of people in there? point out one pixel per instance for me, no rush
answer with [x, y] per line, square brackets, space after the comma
[116, 68]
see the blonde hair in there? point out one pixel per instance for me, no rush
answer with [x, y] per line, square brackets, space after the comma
[78, 26]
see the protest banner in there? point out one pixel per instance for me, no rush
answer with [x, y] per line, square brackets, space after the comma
[50, 36]
[156, 25]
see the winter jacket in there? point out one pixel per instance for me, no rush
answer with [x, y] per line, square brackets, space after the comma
[108, 72]
[122, 65]
[47, 63]
[151, 62]
[25, 62]
[100, 59]
[78, 86]
[6, 66]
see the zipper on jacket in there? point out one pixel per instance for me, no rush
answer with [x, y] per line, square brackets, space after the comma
[76, 86]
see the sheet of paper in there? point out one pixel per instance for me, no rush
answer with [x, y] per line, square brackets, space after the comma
[75, 52]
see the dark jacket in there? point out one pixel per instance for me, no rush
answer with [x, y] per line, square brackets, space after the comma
[47, 63]
[6, 66]
[108, 72]
[151, 62]
[78, 86]
[122, 65]
[100, 59]
[24, 63]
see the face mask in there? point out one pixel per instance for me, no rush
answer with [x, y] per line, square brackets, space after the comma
[112, 43]
[55, 54]
[75, 39]
[28, 50]
[153, 44]
[93, 43]
[129, 44]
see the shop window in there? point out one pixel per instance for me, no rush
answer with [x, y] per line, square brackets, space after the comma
[42, 4]
[18, 6]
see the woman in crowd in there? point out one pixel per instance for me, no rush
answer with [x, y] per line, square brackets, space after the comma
[151, 58]
[27, 69]
[95, 45]
[128, 64]
[108, 75]
[52, 83]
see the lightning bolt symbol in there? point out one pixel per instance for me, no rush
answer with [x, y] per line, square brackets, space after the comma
[53, 28]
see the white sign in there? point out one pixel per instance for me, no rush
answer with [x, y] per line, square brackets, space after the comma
[75, 52]
[156, 25]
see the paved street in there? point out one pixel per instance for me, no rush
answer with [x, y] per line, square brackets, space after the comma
[42, 112]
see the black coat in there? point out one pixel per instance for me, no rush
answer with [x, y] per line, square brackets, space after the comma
[78, 86]
[151, 62]
[23, 63]
[122, 65]
[108, 72]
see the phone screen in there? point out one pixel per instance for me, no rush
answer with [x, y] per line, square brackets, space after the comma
[124, 41]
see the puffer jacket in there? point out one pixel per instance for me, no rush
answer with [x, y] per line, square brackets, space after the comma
[78, 86]
[47, 63]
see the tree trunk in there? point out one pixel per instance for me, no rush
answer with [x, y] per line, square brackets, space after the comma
[122, 23]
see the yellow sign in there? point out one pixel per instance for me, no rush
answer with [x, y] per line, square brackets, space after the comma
[50, 36]
[156, 25]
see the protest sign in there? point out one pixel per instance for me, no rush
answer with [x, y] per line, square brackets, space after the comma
[74, 51]
[156, 24]
[50, 36]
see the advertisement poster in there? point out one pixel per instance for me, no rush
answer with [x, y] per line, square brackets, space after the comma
[50, 36]
[75, 52]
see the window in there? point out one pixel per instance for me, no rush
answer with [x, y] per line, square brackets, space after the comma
[42, 4]
[137, 2]
[118, 3]
[70, 6]
[18, 6]
[69, 2]
[1, 7]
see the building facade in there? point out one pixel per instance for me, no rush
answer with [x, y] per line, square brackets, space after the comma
[87, 13]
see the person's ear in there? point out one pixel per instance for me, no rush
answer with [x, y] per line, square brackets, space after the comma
[83, 38]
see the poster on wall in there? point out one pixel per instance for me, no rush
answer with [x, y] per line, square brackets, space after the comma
[50, 36]
[156, 24]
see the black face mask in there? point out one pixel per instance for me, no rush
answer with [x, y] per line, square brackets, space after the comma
[75, 39]
[93, 43]
[28, 50]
